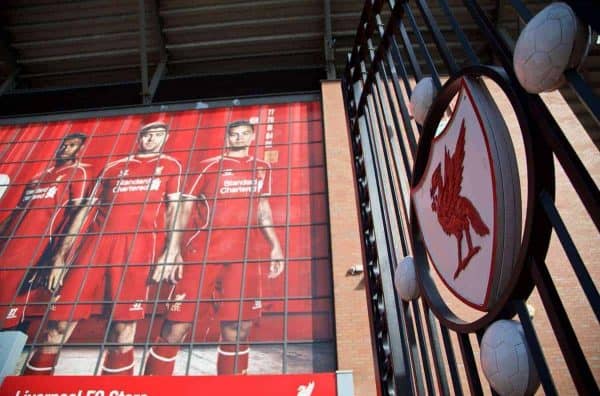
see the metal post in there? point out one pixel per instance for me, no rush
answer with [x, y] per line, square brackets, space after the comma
[328, 42]
[143, 54]
[9, 83]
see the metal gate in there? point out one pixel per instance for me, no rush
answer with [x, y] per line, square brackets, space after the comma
[397, 43]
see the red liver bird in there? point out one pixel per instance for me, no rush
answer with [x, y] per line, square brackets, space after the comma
[455, 213]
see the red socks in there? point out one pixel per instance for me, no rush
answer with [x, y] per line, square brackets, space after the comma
[227, 356]
[41, 364]
[118, 363]
[161, 359]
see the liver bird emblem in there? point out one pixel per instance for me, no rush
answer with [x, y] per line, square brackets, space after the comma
[306, 390]
[456, 214]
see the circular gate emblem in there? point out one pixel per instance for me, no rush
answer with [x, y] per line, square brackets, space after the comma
[466, 197]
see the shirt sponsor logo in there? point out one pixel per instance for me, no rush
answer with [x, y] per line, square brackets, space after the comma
[40, 193]
[140, 184]
[241, 186]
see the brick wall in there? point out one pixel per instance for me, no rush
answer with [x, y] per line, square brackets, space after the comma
[353, 334]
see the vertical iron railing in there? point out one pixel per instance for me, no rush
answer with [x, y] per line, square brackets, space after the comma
[397, 43]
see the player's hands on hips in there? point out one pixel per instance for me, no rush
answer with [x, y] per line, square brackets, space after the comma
[57, 274]
[168, 268]
[277, 263]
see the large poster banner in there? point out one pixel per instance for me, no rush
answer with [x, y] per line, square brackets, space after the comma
[190, 242]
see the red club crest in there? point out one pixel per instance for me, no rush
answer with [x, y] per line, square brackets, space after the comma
[467, 202]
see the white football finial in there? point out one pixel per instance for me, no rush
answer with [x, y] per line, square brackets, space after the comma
[553, 41]
[506, 360]
[405, 279]
[422, 98]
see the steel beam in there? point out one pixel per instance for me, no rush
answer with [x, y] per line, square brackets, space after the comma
[228, 6]
[9, 83]
[244, 23]
[328, 41]
[161, 67]
[160, 71]
[245, 40]
[143, 53]
[241, 56]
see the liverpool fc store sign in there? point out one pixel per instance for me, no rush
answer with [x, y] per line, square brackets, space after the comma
[253, 385]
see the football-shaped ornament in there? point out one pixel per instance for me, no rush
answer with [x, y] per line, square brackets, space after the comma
[421, 99]
[553, 41]
[506, 360]
[405, 279]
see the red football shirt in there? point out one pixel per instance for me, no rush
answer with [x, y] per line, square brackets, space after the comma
[133, 191]
[229, 189]
[42, 211]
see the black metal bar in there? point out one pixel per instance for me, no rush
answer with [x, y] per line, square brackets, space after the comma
[584, 91]
[355, 75]
[395, 353]
[473, 58]
[424, 51]
[535, 348]
[381, 49]
[399, 63]
[398, 156]
[362, 32]
[470, 367]
[522, 10]
[568, 158]
[389, 183]
[565, 335]
[488, 29]
[438, 38]
[414, 348]
[585, 280]
[551, 132]
[406, 124]
[399, 359]
[423, 349]
[451, 361]
[414, 63]
[436, 352]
